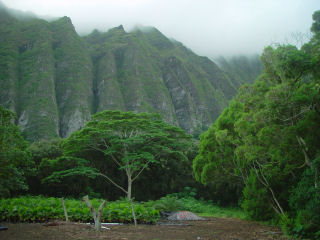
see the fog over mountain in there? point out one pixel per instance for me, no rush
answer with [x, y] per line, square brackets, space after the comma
[208, 27]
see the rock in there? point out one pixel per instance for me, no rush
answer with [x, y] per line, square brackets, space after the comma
[184, 216]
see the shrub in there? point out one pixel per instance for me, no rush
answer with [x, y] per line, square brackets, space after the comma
[40, 209]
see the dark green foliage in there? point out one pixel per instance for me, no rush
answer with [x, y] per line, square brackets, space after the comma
[214, 163]
[169, 204]
[305, 201]
[256, 203]
[46, 149]
[14, 160]
[268, 139]
[41, 151]
[128, 141]
[316, 24]
[41, 209]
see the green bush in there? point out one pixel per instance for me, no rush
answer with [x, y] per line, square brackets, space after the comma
[40, 209]
[255, 201]
[172, 203]
[168, 204]
[305, 201]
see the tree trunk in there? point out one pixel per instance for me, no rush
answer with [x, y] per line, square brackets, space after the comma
[133, 213]
[265, 182]
[129, 190]
[96, 216]
[308, 162]
[65, 210]
[129, 187]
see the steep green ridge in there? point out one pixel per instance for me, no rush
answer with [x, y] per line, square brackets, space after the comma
[73, 77]
[241, 69]
[53, 79]
[148, 72]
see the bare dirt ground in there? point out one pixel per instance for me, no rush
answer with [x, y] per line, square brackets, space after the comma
[212, 228]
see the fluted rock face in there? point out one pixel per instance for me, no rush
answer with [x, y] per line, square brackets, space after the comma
[37, 107]
[145, 71]
[53, 79]
[27, 75]
[73, 77]
[8, 60]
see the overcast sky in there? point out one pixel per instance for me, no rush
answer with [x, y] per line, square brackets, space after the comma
[208, 27]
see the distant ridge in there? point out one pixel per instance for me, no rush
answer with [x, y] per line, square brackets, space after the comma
[53, 79]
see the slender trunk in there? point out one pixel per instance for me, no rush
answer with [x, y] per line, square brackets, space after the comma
[65, 210]
[265, 182]
[133, 213]
[129, 186]
[276, 201]
[307, 160]
[129, 176]
[96, 215]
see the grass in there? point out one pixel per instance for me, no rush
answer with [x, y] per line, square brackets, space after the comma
[200, 207]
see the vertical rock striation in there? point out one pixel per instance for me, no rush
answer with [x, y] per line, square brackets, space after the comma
[53, 79]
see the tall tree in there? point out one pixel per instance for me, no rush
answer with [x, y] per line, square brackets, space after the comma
[131, 141]
[14, 160]
[271, 140]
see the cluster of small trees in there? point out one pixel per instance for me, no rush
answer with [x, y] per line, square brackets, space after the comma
[266, 143]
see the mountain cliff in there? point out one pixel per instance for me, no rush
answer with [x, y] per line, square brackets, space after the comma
[241, 69]
[53, 79]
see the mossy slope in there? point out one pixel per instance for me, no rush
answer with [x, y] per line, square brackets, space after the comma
[53, 79]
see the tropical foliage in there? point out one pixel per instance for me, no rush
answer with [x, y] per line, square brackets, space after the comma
[182, 202]
[41, 209]
[131, 141]
[14, 160]
[267, 141]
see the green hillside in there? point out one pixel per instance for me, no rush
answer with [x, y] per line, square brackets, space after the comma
[53, 79]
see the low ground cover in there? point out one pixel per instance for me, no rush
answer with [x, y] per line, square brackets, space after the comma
[203, 208]
[41, 209]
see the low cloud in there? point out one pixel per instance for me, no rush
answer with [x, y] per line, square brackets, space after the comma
[208, 27]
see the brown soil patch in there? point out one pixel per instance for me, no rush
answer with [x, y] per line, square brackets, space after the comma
[213, 228]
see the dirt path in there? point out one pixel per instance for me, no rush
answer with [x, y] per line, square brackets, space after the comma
[214, 228]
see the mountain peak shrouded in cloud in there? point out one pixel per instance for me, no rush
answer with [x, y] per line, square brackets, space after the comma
[63, 77]
[208, 27]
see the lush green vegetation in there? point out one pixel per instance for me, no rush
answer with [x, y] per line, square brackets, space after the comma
[15, 162]
[54, 79]
[186, 201]
[131, 141]
[262, 153]
[266, 143]
[41, 209]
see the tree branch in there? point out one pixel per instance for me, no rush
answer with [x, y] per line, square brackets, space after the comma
[110, 180]
[145, 165]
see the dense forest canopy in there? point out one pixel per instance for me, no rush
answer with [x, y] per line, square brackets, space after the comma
[267, 142]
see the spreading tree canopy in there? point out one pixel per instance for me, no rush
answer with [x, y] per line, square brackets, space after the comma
[131, 141]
